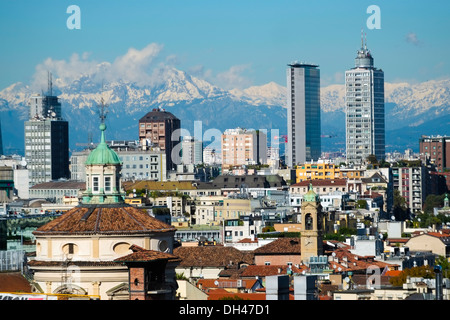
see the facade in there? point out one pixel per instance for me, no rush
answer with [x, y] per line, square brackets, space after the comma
[46, 140]
[192, 151]
[412, 183]
[436, 150]
[243, 147]
[436, 242]
[247, 227]
[161, 128]
[57, 191]
[364, 106]
[317, 171]
[137, 163]
[47, 150]
[6, 184]
[211, 156]
[303, 113]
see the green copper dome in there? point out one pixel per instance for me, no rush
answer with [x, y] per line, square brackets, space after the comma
[103, 153]
[311, 196]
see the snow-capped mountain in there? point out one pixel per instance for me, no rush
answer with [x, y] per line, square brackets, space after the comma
[192, 99]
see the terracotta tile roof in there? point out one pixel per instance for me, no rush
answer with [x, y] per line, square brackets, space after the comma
[142, 255]
[393, 273]
[103, 219]
[248, 240]
[14, 282]
[344, 261]
[212, 256]
[438, 234]
[280, 246]
[397, 240]
[372, 195]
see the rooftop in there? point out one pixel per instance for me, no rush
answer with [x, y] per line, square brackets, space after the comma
[103, 219]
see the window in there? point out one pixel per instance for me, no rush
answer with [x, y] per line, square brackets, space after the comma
[95, 184]
[107, 184]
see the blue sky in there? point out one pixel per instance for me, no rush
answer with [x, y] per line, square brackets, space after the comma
[232, 43]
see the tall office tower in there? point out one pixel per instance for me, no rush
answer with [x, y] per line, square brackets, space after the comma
[303, 113]
[46, 140]
[156, 128]
[243, 147]
[364, 106]
[192, 150]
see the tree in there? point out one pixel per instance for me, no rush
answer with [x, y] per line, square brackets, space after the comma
[445, 265]
[422, 271]
[372, 159]
[433, 201]
[399, 207]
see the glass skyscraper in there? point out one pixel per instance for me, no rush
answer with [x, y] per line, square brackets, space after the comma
[364, 106]
[303, 113]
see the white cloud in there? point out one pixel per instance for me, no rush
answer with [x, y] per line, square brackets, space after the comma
[144, 67]
[412, 38]
[232, 78]
[136, 66]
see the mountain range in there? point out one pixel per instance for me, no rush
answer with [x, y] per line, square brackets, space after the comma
[411, 109]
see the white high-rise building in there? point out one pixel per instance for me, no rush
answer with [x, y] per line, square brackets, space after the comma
[303, 113]
[192, 151]
[364, 106]
[46, 140]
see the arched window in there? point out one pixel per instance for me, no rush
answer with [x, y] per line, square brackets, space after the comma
[308, 222]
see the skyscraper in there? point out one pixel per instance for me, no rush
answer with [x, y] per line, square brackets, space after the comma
[303, 113]
[46, 140]
[364, 106]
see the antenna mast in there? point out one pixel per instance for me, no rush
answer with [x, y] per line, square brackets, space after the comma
[50, 83]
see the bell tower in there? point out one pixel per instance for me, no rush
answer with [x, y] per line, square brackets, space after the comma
[311, 229]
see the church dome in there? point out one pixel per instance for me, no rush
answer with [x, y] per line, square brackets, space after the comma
[311, 196]
[103, 154]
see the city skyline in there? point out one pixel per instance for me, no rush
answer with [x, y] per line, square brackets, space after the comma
[232, 44]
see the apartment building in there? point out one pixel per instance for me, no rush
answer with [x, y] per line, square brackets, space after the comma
[243, 147]
[413, 185]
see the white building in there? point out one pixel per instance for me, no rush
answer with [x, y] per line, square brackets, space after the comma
[192, 151]
[137, 164]
[364, 105]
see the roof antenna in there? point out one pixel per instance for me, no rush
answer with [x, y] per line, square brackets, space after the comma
[365, 40]
[362, 38]
[50, 84]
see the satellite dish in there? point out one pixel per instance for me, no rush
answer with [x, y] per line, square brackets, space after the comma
[393, 218]
[216, 283]
[347, 279]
